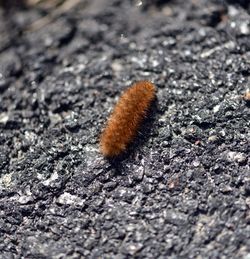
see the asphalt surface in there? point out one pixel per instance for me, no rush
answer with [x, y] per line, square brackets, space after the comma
[182, 190]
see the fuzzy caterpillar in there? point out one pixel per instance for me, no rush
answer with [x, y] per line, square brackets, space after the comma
[125, 120]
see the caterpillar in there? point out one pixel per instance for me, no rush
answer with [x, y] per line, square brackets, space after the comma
[126, 118]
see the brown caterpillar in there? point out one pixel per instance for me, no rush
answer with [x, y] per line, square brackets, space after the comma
[126, 118]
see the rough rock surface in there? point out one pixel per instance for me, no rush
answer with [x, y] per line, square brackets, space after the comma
[183, 188]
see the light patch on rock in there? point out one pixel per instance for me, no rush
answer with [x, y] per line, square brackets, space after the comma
[54, 118]
[216, 108]
[227, 45]
[212, 138]
[232, 11]
[5, 180]
[30, 136]
[25, 196]
[4, 117]
[236, 157]
[24, 199]
[116, 66]
[247, 256]
[69, 199]
[52, 178]
[244, 28]
[91, 148]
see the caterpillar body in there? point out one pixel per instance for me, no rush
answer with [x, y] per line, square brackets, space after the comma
[126, 118]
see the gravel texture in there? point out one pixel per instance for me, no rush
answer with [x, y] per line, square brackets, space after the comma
[183, 188]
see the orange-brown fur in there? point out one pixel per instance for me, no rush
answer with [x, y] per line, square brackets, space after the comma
[126, 118]
[246, 96]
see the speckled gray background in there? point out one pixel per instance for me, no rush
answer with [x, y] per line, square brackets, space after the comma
[183, 188]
